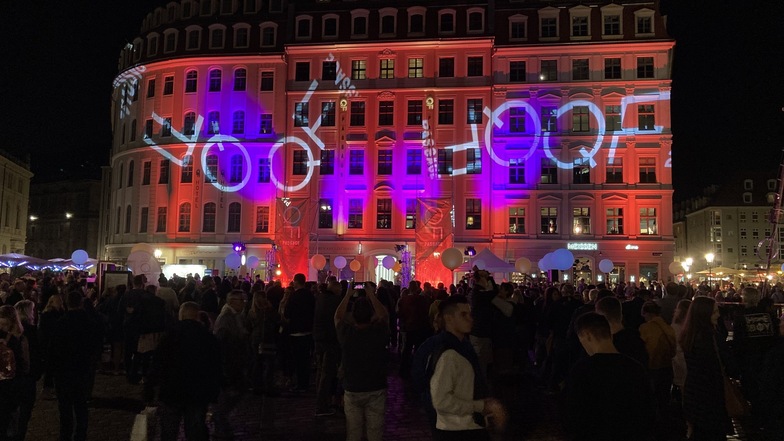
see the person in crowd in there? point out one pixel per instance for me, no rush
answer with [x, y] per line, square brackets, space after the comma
[188, 373]
[505, 339]
[115, 315]
[208, 297]
[263, 321]
[17, 293]
[48, 289]
[299, 311]
[25, 310]
[8, 395]
[706, 356]
[679, 362]
[168, 295]
[232, 335]
[19, 384]
[188, 293]
[608, 394]
[76, 340]
[482, 297]
[52, 312]
[132, 328]
[672, 295]
[327, 347]
[413, 315]
[363, 335]
[627, 341]
[632, 308]
[154, 321]
[660, 343]
[772, 389]
[457, 386]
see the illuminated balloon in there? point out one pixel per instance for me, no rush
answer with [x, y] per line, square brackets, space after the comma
[233, 260]
[389, 262]
[318, 261]
[397, 267]
[355, 265]
[562, 259]
[374, 261]
[543, 265]
[79, 257]
[452, 258]
[340, 262]
[606, 266]
[253, 262]
[676, 268]
[479, 263]
[523, 265]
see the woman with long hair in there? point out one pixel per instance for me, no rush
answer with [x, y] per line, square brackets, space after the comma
[12, 326]
[263, 322]
[706, 356]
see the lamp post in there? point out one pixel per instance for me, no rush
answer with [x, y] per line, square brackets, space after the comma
[709, 259]
[686, 264]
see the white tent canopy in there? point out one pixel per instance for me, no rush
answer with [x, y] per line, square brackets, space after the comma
[486, 260]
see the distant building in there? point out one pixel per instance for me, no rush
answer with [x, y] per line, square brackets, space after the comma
[63, 218]
[354, 128]
[15, 178]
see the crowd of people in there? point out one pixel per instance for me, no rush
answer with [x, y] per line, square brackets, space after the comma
[626, 362]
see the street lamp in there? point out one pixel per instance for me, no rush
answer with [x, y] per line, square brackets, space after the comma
[709, 259]
[686, 264]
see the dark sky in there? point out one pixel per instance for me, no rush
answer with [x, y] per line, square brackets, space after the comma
[59, 59]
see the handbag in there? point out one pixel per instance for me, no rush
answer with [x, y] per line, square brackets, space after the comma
[735, 403]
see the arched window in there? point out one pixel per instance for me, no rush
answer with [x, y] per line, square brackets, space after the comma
[128, 219]
[120, 178]
[184, 223]
[240, 79]
[235, 175]
[117, 225]
[133, 130]
[130, 173]
[235, 214]
[191, 81]
[238, 123]
[211, 174]
[189, 124]
[215, 80]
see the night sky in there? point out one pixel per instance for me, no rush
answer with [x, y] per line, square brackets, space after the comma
[59, 60]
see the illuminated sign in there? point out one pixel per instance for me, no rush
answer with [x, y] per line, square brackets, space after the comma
[582, 246]
[632, 247]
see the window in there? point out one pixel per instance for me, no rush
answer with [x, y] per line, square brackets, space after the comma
[581, 220]
[184, 222]
[215, 80]
[355, 213]
[163, 177]
[612, 24]
[410, 214]
[327, 162]
[475, 66]
[517, 220]
[580, 26]
[476, 21]
[517, 27]
[116, 228]
[265, 124]
[384, 162]
[146, 172]
[612, 118]
[241, 37]
[549, 70]
[267, 81]
[240, 77]
[357, 117]
[384, 214]
[517, 71]
[474, 111]
[133, 131]
[646, 117]
[612, 68]
[416, 23]
[388, 25]
[748, 184]
[209, 216]
[549, 171]
[473, 214]
[152, 45]
[236, 169]
[356, 162]
[755, 233]
[444, 161]
[206, 7]
[211, 174]
[160, 225]
[474, 161]
[227, 6]
[193, 39]
[614, 170]
[144, 219]
[615, 221]
[645, 67]
[302, 71]
[330, 27]
[386, 113]
[186, 171]
[548, 27]
[744, 250]
[148, 128]
[151, 88]
[235, 216]
[328, 114]
[516, 171]
[168, 85]
[216, 38]
[213, 123]
[191, 81]
[301, 114]
[549, 220]
[414, 113]
[325, 213]
[358, 69]
[746, 198]
[329, 70]
[264, 170]
[581, 171]
[414, 161]
[446, 111]
[166, 129]
[648, 170]
[644, 25]
[580, 119]
[127, 219]
[130, 173]
[303, 27]
[648, 221]
[416, 67]
[446, 67]
[580, 69]
[743, 233]
[549, 119]
[517, 119]
[446, 22]
[238, 122]
[268, 35]
[360, 26]
[262, 219]
[387, 68]
[299, 164]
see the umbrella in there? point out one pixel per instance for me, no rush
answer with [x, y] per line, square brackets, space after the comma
[16, 259]
[719, 270]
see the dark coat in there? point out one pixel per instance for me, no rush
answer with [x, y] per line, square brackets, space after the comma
[300, 309]
[75, 343]
[703, 391]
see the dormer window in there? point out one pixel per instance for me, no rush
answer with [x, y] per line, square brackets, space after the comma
[152, 45]
[250, 7]
[580, 18]
[771, 184]
[304, 24]
[748, 184]
[747, 198]
[330, 26]
[227, 7]
[206, 7]
[193, 37]
[476, 20]
[268, 32]
[170, 40]
[416, 20]
[217, 35]
[446, 21]
[518, 26]
[359, 23]
[388, 18]
[241, 35]
[548, 24]
[612, 21]
[187, 8]
[643, 23]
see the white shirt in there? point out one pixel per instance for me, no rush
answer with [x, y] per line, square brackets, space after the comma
[452, 391]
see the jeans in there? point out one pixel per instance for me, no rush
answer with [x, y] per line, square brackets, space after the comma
[301, 347]
[328, 358]
[194, 415]
[72, 401]
[365, 410]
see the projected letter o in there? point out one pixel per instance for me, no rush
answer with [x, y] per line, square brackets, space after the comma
[219, 140]
[496, 122]
[599, 135]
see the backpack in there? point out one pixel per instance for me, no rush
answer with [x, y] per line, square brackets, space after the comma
[7, 362]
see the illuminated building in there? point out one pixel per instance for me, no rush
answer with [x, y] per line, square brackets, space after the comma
[347, 122]
[15, 178]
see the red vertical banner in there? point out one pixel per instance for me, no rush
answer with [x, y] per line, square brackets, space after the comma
[433, 237]
[292, 230]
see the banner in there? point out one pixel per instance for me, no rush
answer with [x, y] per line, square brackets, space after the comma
[433, 237]
[292, 228]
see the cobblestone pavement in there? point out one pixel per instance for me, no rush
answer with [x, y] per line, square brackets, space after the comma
[115, 403]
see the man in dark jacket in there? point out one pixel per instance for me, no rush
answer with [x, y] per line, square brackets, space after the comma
[188, 371]
[299, 312]
[76, 340]
[132, 327]
[327, 348]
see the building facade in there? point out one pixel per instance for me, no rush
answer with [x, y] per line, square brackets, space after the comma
[15, 176]
[358, 129]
